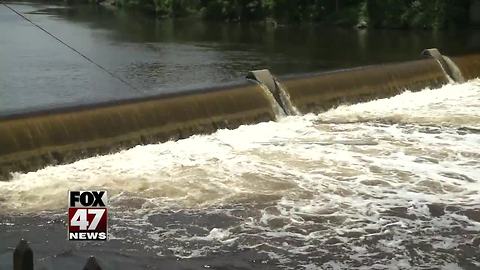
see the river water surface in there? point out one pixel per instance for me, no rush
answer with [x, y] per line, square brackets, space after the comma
[388, 184]
[158, 56]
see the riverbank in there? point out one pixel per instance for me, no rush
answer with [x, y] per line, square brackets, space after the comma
[392, 14]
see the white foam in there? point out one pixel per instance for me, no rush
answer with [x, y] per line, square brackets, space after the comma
[430, 106]
[345, 167]
[293, 158]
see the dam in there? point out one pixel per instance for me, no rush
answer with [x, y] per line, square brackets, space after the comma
[31, 141]
[240, 146]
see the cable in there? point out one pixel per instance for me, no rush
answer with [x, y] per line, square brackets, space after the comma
[71, 48]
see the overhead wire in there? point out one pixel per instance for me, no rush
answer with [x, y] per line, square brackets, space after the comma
[70, 47]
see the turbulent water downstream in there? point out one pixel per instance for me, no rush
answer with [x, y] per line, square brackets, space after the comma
[388, 184]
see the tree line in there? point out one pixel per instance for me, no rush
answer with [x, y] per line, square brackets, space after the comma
[428, 14]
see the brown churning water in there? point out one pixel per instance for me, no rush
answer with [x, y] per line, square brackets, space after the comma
[31, 141]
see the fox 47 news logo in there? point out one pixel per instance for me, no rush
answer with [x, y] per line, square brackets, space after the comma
[87, 215]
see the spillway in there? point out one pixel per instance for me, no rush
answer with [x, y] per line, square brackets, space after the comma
[33, 140]
[320, 92]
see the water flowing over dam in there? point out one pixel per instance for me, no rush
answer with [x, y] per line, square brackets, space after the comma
[239, 146]
[372, 184]
[32, 140]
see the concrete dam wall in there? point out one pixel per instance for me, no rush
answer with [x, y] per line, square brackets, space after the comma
[323, 91]
[31, 141]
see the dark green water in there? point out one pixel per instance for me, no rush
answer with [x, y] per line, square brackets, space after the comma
[173, 55]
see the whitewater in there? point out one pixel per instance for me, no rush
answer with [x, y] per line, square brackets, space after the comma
[387, 184]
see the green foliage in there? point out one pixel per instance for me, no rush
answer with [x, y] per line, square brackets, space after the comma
[363, 18]
[280, 10]
[294, 11]
[234, 10]
[172, 8]
[430, 14]
[343, 12]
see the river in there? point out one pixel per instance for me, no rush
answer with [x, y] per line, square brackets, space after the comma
[388, 184]
[37, 72]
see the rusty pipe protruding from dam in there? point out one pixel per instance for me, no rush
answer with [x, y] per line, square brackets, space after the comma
[265, 79]
[447, 65]
[30, 141]
[281, 97]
